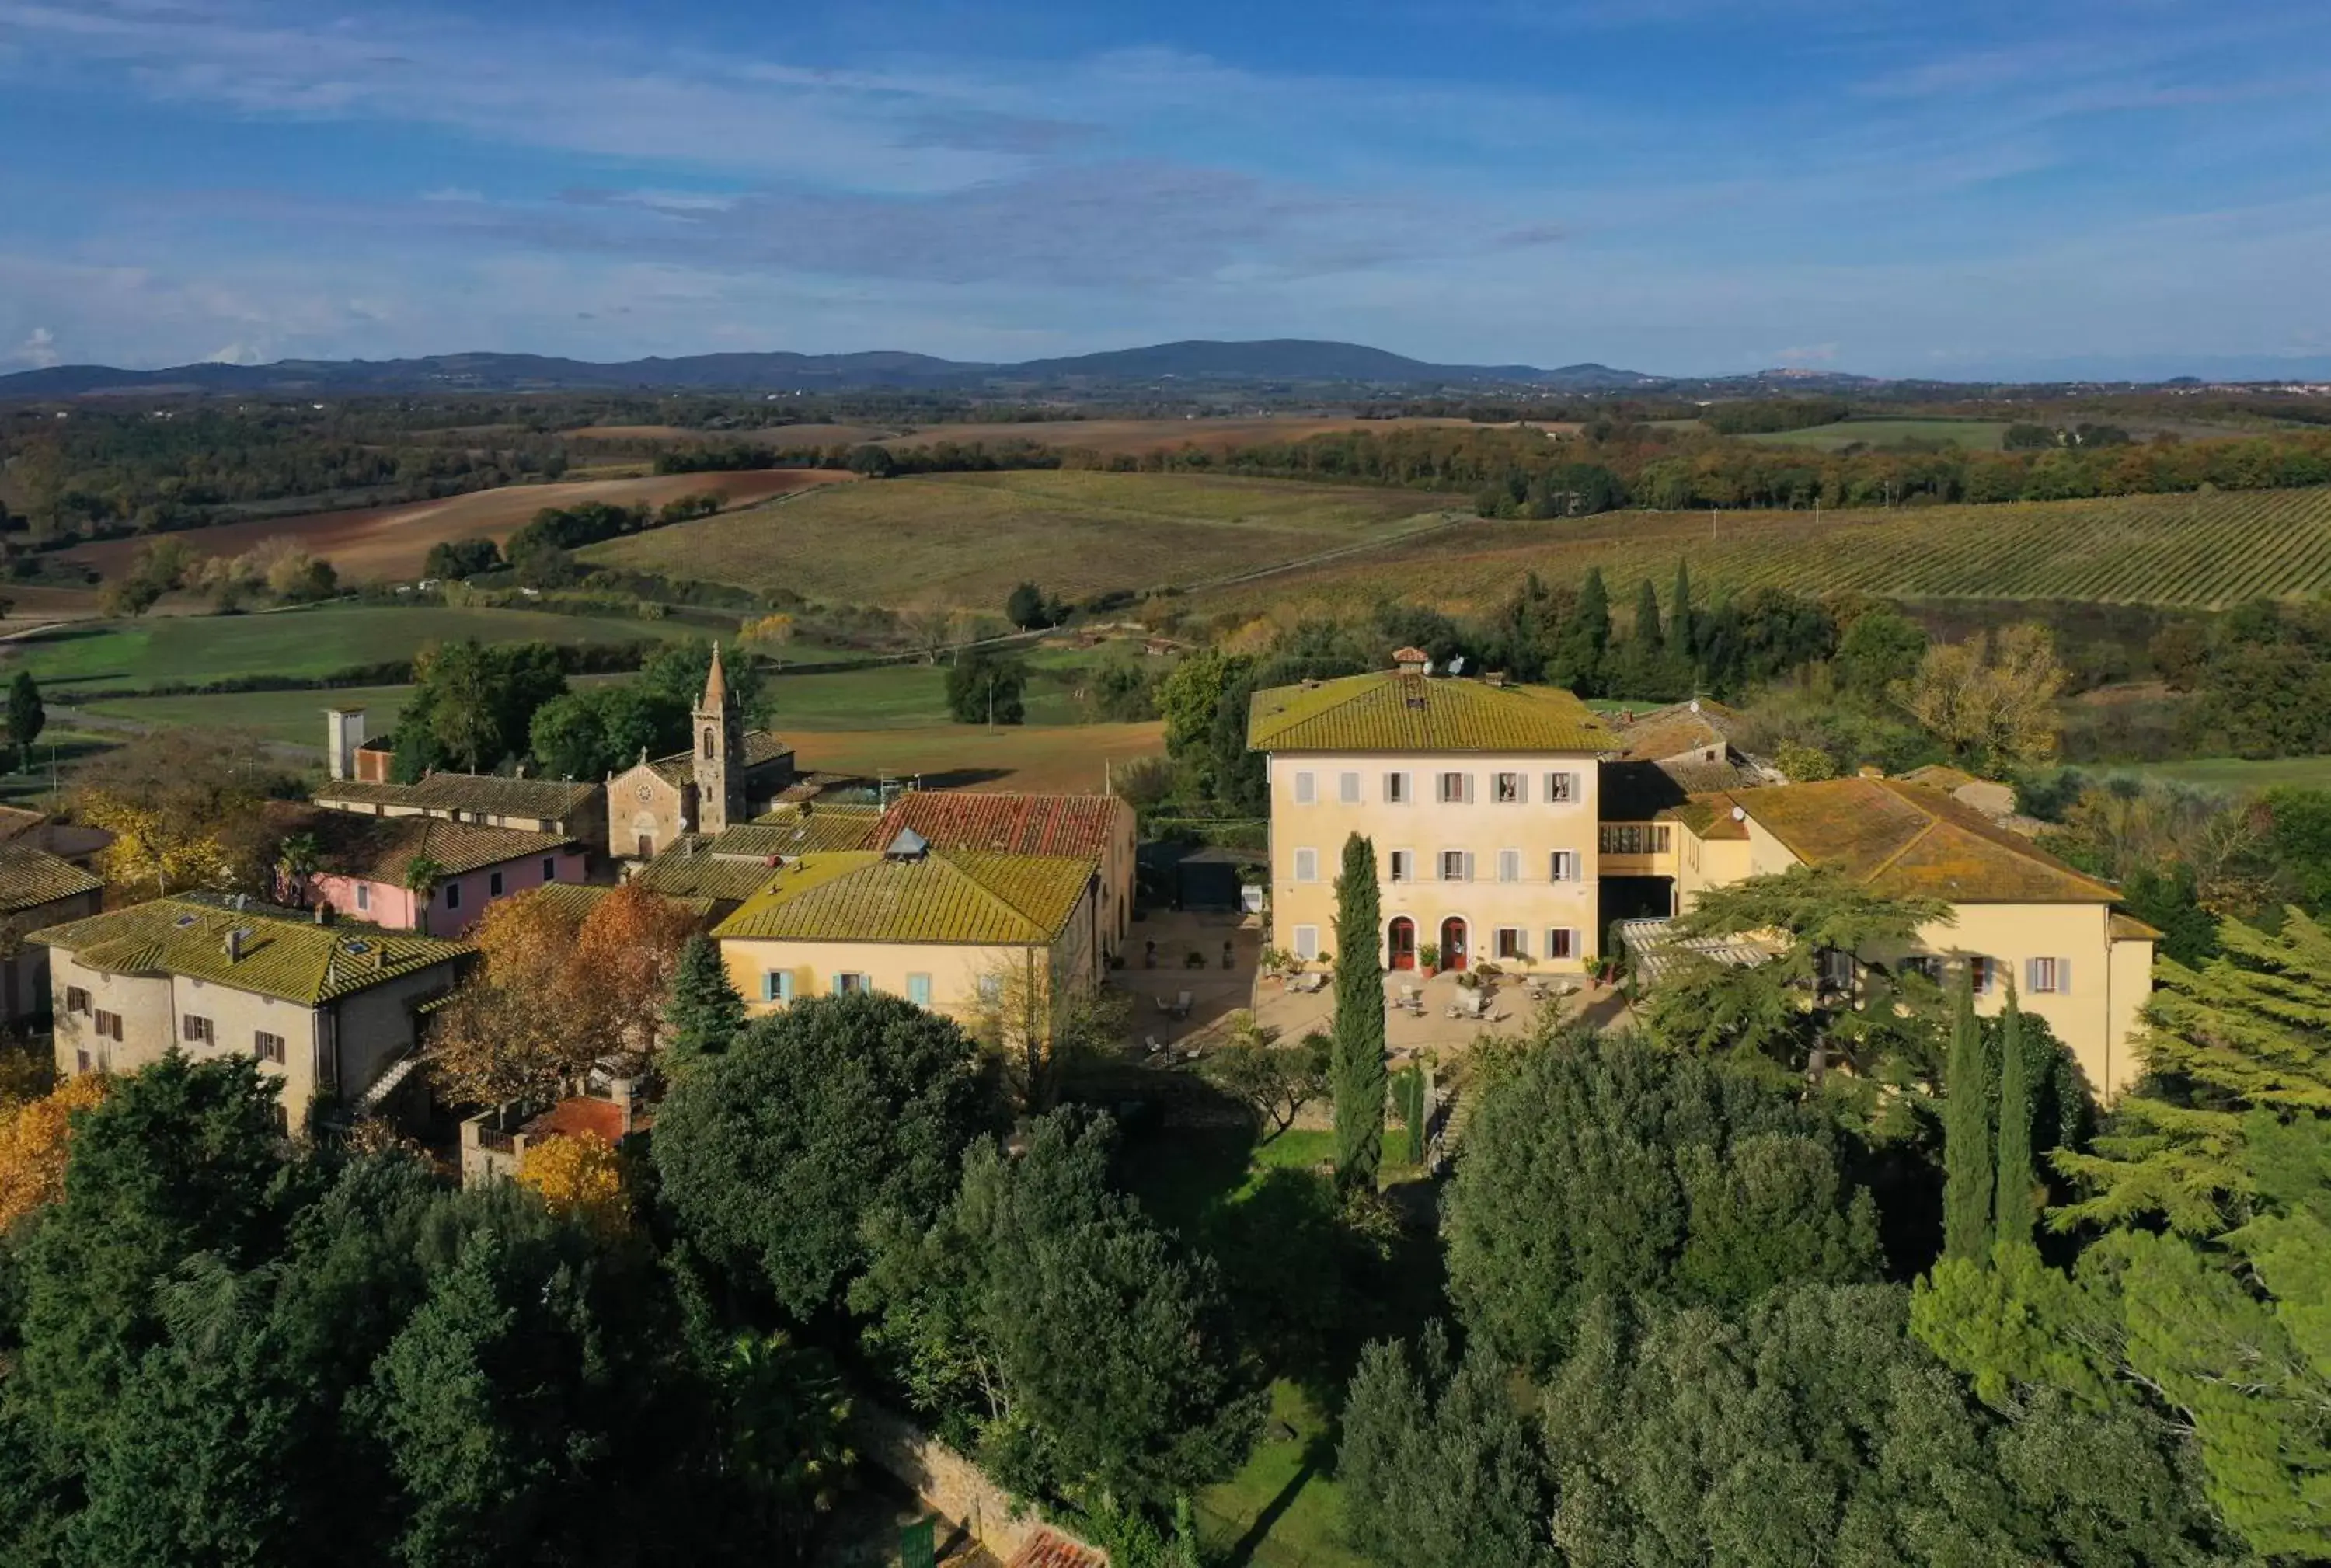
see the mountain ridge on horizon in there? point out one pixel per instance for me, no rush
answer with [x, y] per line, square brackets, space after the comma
[1195, 361]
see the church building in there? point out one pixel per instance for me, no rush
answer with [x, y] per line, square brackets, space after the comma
[728, 775]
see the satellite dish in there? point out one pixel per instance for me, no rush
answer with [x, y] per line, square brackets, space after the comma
[1739, 813]
[1457, 665]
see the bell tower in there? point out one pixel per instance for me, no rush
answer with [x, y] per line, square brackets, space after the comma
[718, 751]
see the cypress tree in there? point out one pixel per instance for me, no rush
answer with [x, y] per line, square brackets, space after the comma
[1650, 642]
[1585, 641]
[2013, 1192]
[1359, 1030]
[1966, 1138]
[1679, 623]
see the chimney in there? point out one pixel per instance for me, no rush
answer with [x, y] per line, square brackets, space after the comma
[234, 945]
[1411, 661]
[1493, 677]
[344, 732]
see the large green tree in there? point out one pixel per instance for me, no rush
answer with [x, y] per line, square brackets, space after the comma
[775, 1153]
[1359, 1072]
[1602, 1164]
[1438, 1462]
[1088, 1352]
[1584, 644]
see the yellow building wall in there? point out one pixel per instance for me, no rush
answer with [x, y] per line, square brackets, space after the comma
[956, 969]
[1425, 826]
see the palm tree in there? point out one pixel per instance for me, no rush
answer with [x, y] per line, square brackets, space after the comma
[295, 862]
[422, 875]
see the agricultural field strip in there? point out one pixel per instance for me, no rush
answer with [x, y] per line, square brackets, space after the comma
[2198, 550]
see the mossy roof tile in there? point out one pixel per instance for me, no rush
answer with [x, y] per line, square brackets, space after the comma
[941, 897]
[294, 960]
[1398, 711]
[1903, 838]
[30, 877]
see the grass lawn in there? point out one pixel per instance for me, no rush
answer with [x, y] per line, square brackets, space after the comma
[1264, 1211]
[115, 656]
[963, 540]
[1976, 434]
[905, 696]
[2229, 773]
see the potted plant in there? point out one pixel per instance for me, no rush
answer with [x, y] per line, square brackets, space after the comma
[1428, 959]
[1276, 964]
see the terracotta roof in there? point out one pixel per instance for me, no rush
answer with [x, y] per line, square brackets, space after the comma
[295, 960]
[1394, 711]
[689, 868]
[1941, 777]
[577, 900]
[380, 849]
[491, 794]
[30, 877]
[1710, 817]
[1083, 826]
[944, 895]
[1047, 1548]
[579, 1117]
[817, 786]
[803, 832]
[1901, 838]
[16, 820]
[1682, 728]
[2129, 928]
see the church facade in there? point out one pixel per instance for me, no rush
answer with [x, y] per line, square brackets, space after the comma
[729, 774]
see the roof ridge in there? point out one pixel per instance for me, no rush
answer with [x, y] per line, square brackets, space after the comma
[1904, 848]
[953, 860]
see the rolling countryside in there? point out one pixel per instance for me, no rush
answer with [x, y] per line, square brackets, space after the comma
[965, 539]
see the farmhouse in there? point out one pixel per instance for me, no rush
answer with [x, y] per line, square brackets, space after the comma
[36, 890]
[1095, 828]
[365, 867]
[1512, 824]
[326, 1012]
[724, 869]
[569, 808]
[940, 927]
[728, 775]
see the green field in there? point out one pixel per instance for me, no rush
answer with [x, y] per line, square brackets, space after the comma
[2231, 776]
[2196, 551]
[117, 656]
[964, 540]
[1974, 434]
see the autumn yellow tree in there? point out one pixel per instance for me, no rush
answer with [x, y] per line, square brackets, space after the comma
[577, 1174]
[1994, 706]
[151, 846]
[555, 993]
[770, 631]
[33, 1141]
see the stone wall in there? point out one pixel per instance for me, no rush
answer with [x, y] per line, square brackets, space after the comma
[945, 1480]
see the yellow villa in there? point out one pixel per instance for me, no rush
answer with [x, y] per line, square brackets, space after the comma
[2020, 915]
[1481, 799]
[1512, 824]
[936, 926]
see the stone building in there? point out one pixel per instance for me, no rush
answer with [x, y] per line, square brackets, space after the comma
[727, 775]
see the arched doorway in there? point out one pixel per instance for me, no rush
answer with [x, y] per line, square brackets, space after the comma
[1401, 945]
[1452, 944]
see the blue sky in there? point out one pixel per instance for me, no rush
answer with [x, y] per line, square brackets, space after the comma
[1949, 187]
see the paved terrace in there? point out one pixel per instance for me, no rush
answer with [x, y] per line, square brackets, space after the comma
[1217, 994]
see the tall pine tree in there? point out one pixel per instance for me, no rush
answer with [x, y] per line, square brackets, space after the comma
[705, 1011]
[1359, 1030]
[1966, 1138]
[2012, 1194]
[1680, 615]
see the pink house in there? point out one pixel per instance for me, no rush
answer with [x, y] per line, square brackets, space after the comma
[363, 867]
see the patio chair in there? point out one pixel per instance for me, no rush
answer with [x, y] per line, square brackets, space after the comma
[1182, 1004]
[1153, 1046]
[1164, 1004]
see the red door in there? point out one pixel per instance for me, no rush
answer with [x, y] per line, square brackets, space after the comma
[1403, 943]
[1452, 944]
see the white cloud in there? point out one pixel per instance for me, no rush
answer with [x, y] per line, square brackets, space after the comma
[38, 350]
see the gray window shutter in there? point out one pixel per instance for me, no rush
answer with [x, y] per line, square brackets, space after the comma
[1468, 865]
[2063, 975]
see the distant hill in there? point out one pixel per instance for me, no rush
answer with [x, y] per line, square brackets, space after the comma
[1279, 361]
